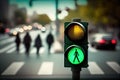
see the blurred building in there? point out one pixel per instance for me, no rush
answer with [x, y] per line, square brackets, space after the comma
[4, 10]
[34, 15]
[12, 13]
[12, 9]
[23, 10]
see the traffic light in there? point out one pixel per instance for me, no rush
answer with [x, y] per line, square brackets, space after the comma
[76, 44]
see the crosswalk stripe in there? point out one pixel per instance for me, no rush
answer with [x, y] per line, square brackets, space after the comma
[6, 48]
[2, 37]
[46, 68]
[22, 50]
[11, 50]
[42, 50]
[94, 68]
[33, 50]
[56, 47]
[5, 41]
[13, 68]
[115, 66]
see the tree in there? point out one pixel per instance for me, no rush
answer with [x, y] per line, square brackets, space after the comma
[106, 12]
[98, 11]
[42, 19]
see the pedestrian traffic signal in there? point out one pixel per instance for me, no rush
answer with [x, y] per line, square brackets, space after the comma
[76, 44]
[73, 55]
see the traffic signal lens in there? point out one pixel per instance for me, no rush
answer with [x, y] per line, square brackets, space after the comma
[75, 55]
[75, 32]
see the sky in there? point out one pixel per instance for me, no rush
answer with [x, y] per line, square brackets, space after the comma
[46, 6]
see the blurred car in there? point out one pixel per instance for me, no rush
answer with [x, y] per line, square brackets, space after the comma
[43, 29]
[103, 40]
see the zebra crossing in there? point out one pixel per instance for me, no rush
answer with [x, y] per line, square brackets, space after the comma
[10, 49]
[47, 68]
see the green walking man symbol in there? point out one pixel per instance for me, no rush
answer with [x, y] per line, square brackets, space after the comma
[76, 54]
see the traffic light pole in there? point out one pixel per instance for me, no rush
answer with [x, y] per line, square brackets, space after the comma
[75, 73]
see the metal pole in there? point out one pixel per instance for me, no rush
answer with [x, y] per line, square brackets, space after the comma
[56, 7]
[75, 73]
[57, 20]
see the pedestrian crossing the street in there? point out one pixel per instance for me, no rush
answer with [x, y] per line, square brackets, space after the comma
[11, 48]
[47, 68]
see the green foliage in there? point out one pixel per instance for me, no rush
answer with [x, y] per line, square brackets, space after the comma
[105, 11]
[42, 19]
[97, 11]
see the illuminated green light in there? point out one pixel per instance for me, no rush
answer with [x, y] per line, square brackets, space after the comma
[76, 55]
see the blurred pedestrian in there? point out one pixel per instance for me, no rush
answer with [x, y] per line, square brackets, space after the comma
[38, 43]
[27, 42]
[17, 41]
[49, 40]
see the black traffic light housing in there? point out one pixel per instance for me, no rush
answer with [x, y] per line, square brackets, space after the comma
[79, 42]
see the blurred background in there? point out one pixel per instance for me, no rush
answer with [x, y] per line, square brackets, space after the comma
[103, 16]
[48, 17]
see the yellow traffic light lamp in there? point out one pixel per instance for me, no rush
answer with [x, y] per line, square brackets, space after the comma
[75, 31]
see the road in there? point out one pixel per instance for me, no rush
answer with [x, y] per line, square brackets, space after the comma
[103, 64]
